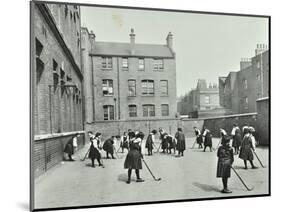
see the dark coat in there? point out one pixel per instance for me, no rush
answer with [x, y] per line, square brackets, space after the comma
[246, 149]
[199, 139]
[133, 158]
[94, 152]
[208, 140]
[69, 149]
[108, 146]
[237, 138]
[124, 143]
[171, 142]
[149, 142]
[225, 160]
[180, 141]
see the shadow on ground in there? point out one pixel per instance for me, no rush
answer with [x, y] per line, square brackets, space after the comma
[206, 187]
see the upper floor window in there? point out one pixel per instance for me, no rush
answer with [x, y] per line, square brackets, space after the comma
[107, 62]
[245, 83]
[107, 87]
[164, 87]
[141, 64]
[158, 65]
[132, 87]
[147, 87]
[258, 64]
[165, 110]
[246, 103]
[148, 110]
[132, 111]
[108, 112]
[258, 77]
[207, 99]
[125, 64]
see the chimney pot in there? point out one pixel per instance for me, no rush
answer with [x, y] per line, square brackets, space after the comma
[132, 36]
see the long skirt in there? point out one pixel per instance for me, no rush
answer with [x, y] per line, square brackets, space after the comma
[133, 160]
[224, 168]
[208, 142]
[246, 154]
[94, 153]
[199, 139]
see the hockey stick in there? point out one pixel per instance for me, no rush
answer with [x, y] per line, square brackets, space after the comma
[192, 147]
[156, 179]
[259, 159]
[249, 189]
[85, 155]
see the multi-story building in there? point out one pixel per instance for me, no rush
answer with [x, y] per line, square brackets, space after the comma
[202, 101]
[57, 80]
[128, 81]
[240, 90]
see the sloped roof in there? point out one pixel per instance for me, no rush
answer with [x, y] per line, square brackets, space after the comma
[127, 49]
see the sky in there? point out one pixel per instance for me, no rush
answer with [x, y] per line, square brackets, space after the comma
[206, 46]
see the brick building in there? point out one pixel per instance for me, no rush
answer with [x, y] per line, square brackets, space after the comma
[57, 81]
[240, 90]
[203, 101]
[128, 81]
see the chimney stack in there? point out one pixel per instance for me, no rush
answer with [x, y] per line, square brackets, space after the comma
[245, 63]
[132, 36]
[169, 40]
[260, 49]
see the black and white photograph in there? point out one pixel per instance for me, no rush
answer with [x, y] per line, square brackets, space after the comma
[136, 105]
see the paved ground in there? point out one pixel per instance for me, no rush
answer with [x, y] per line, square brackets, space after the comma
[188, 177]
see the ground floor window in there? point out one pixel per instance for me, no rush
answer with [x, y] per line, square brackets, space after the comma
[108, 112]
[132, 111]
[165, 110]
[148, 110]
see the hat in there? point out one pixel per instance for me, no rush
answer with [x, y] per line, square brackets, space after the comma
[251, 129]
[154, 131]
[97, 134]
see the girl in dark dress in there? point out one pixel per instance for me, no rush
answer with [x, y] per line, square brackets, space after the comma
[180, 141]
[208, 139]
[134, 157]
[69, 149]
[247, 146]
[199, 139]
[225, 161]
[108, 147]
[94, 149]
[150, 141]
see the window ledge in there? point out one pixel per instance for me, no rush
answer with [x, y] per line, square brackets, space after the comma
[106, 69]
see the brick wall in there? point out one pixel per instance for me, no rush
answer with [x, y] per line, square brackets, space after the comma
[109, 128]
[263, 121]
[54, 111]
[47, 152]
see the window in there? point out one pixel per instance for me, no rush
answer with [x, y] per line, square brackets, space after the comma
[158, 65]
[258, 64]
[108, 112]
[147, 87]
[132, 87]
[164, 87]
[165, 110]
[39, 63]
[245, 102]
[148, 110]
[132, 111]
[245, 82]
[207, 99]
[107, 62]
[125, 64]
[65, 11]
[141, 64]
[107, 87]
[258, 77]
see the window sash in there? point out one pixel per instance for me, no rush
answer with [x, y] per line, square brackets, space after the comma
[148, 110]
[108, 112]
[165, 110]
[141, 64]
[125, 63]
[164, 87]
[107, 62]
[132, 111]
[107, 87]
[147, 87]
[132, 87]
[158, 64]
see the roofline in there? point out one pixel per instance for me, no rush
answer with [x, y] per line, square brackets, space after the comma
[139, 56]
